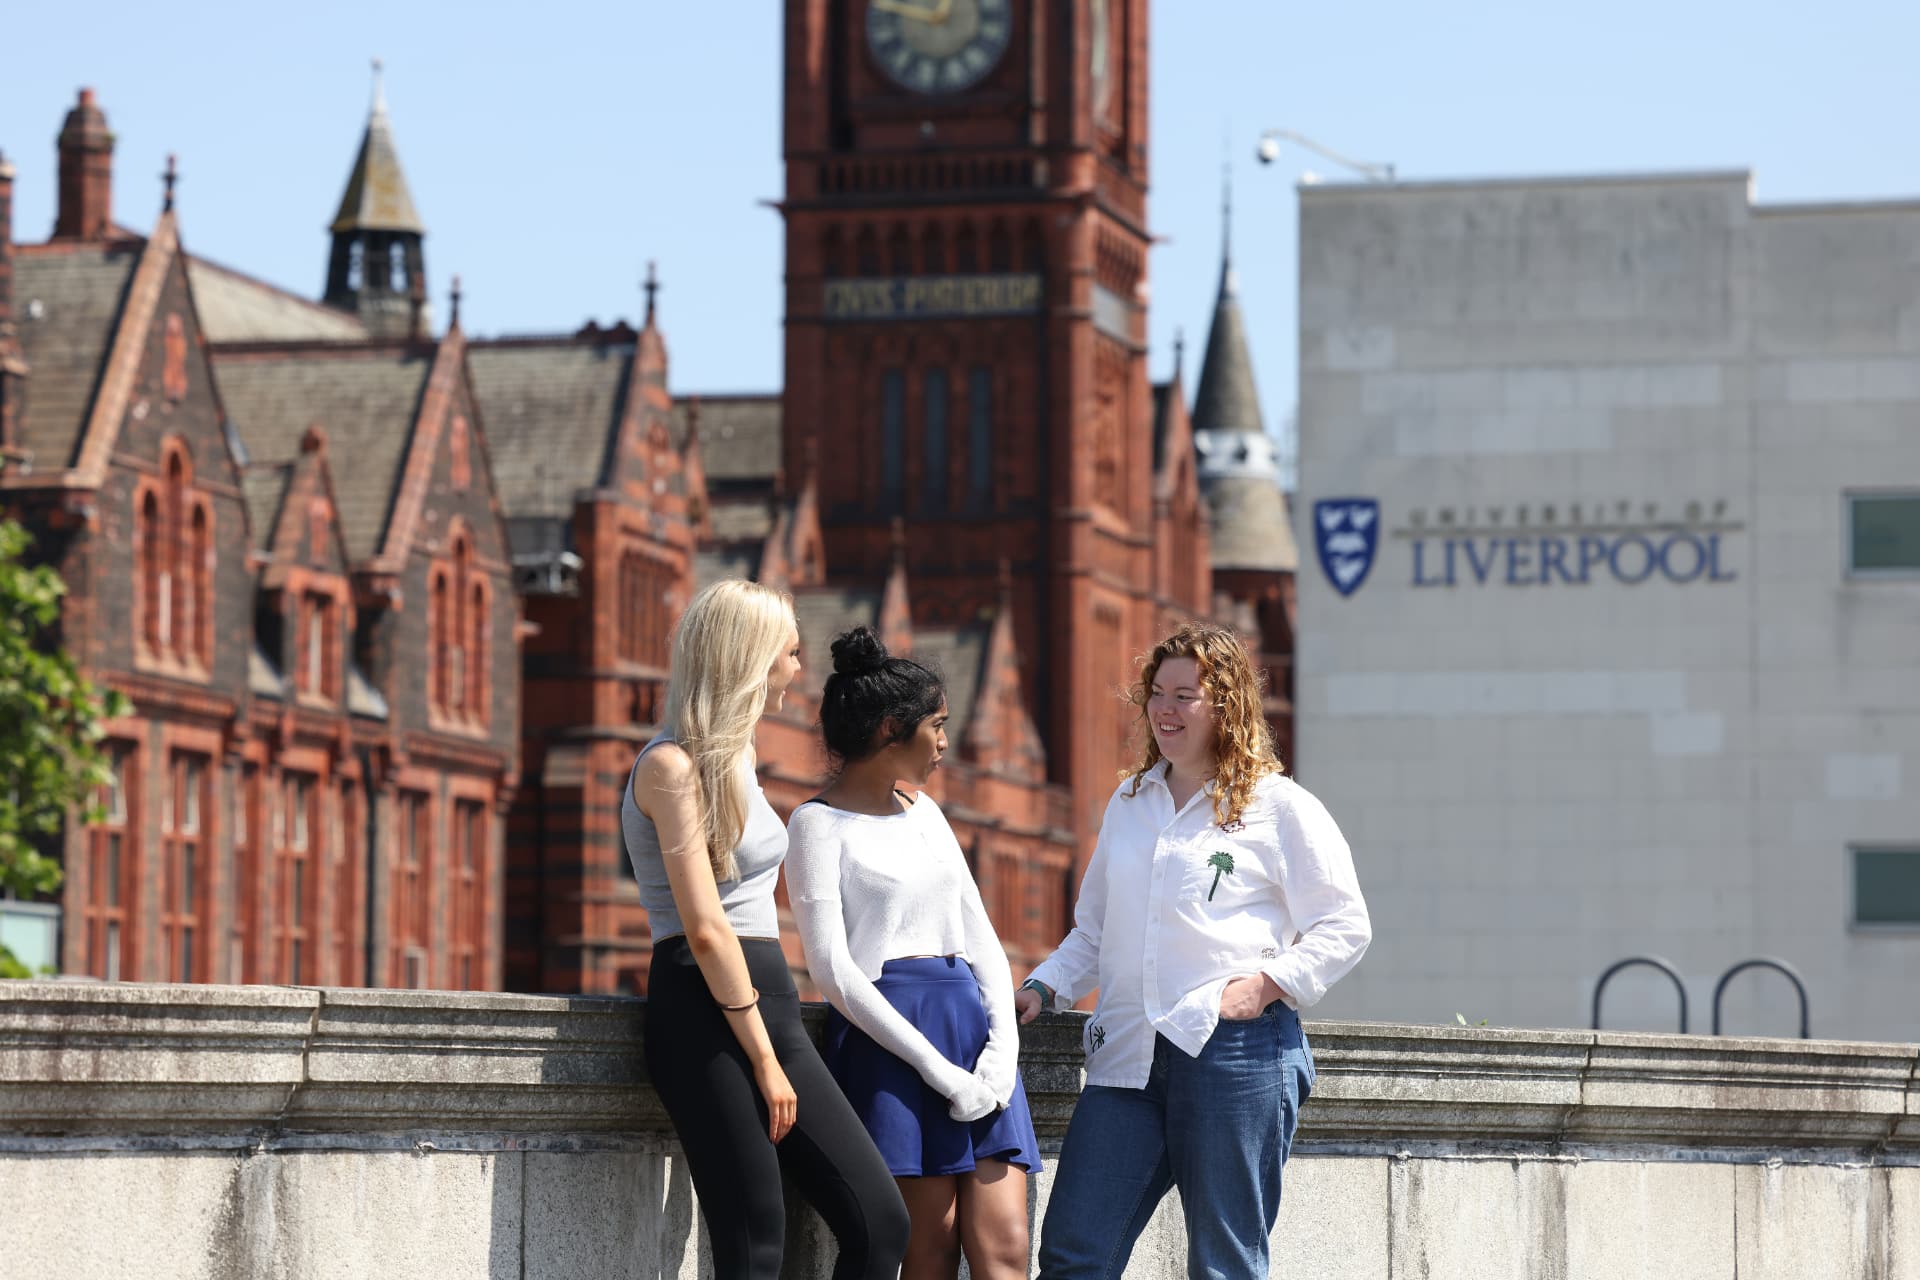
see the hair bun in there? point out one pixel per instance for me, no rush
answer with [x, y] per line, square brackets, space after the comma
[857, 652]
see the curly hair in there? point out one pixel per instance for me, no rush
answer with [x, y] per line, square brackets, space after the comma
[1244, 751]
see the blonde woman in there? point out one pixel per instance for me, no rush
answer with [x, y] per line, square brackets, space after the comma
[747, 1092]
[1220, 900]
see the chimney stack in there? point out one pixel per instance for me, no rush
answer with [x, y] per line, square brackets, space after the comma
[6, 253]
[86, 174]
[13, 365]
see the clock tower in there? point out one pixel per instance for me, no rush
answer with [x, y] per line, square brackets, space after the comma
[965, 212]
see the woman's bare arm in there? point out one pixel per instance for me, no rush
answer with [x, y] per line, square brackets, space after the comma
[666, 789]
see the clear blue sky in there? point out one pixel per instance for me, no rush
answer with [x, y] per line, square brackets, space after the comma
[554, 148]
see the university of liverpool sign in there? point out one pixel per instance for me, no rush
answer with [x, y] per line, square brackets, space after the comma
[930, 297]
[1545, 544]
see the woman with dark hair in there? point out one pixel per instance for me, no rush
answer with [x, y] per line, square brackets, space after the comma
[726, 1051]
[921, 1035]
[1220, 899]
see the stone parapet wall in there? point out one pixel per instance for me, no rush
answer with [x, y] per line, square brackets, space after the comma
[227, 1132]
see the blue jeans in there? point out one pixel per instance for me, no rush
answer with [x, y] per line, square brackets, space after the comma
[1218, 1127]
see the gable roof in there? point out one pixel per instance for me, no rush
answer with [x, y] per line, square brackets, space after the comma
[366, 398]
[67, 301]
[235, 307]
[739, 434]
[552, 410]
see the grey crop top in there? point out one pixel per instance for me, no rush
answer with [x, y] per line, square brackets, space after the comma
[748, 900]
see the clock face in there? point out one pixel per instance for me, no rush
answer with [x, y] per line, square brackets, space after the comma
[1100, 55]
[938, 46]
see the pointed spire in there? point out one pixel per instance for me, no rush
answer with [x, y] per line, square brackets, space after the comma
[167, 180]
[1226, 400]
[453, 305]
[652, 287]
[1179, 351]
[377, 197]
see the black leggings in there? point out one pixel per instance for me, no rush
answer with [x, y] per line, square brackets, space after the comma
[705, 1083]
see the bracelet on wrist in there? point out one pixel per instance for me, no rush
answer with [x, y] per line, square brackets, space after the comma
[742, 1008]
[1046, 992]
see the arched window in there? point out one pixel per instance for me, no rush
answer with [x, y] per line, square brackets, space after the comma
[200, 547]
[151, 554]
[477, 652]
[933, 250]
[175, 603]
[458, 633]
[437, 620]
[966, 251]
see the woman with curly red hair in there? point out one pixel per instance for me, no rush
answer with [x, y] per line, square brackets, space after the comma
[1220, 900]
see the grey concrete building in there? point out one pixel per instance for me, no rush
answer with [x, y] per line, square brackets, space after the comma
[1610, 615]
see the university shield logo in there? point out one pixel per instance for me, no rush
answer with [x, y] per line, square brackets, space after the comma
[1346, 531]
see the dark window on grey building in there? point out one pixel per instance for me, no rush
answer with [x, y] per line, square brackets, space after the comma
[1883, 533]
[1886, 886]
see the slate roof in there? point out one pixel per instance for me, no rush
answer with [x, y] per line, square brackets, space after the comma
[711, 565]
[956, 655]
[1226, 400]
[377, 198]
[263, 487]
[1251, 528]
[235, 307]
[741, 521]
[67, 301]
[550, 411]
[823, 613]
[366, 398]
[739, 434]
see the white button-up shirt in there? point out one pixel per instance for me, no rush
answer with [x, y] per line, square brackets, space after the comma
[1175, 906]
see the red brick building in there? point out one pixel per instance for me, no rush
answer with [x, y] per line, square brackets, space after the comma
[291, 559]
[442, 573]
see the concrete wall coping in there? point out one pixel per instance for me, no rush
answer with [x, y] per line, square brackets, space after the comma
[155, 1066]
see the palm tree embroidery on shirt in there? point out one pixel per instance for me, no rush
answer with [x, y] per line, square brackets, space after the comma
[1099, 1037]
[1222, 864]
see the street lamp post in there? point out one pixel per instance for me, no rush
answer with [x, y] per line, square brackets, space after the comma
[1269, 150]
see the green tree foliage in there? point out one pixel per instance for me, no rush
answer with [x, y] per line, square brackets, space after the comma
[51, 759]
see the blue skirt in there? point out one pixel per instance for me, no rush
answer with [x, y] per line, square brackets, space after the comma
[909, 1122]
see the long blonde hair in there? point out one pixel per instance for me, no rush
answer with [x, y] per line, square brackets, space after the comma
[1243, 740]
[723, 648]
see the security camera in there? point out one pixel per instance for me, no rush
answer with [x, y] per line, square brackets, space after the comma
[1268, 150]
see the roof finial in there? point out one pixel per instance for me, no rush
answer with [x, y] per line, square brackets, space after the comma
[379, 88]
[1226, 210]
[171, 176]
[453, 319]
[1179, 349]
[652, 287]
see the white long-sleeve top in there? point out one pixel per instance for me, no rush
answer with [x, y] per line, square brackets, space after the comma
[869, 888]
[1173, 906]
